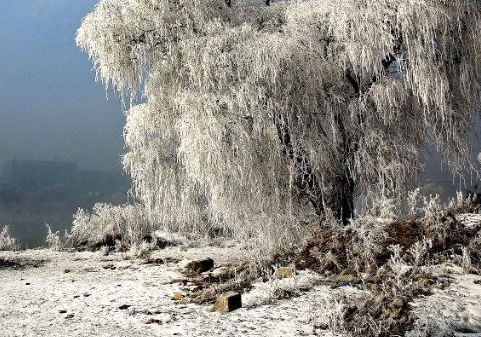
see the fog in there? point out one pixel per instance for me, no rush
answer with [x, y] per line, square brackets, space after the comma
[52, 111]
[55, 118]
[50, 106]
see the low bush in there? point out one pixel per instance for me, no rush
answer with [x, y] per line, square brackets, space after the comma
[53, 240]
[117, 227]
[7, 243]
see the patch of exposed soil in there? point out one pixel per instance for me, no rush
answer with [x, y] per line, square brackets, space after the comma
[20, 263]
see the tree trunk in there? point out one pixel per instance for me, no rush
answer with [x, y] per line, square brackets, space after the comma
[339, 198]
[338, 195]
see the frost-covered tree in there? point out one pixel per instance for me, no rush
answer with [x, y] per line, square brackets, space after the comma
[256, 112]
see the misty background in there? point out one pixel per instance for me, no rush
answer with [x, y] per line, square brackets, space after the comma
[60, 138]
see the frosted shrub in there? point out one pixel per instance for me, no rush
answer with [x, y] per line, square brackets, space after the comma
[273, 237]
[413, 200]
[460, 199]
[104, 251]
[140, 250]
[331, 312]
[107, 224]
[137, 225]
[432, 206]
[6, 241]
[466, 260]
[53, 240]
[398, 265]
[332, 308]
[420, 252]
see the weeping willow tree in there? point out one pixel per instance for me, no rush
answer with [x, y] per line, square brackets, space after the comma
[251, 115]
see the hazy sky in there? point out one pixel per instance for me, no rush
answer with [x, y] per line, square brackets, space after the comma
[50, 105]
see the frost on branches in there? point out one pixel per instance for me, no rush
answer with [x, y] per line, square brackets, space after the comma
[258, 116]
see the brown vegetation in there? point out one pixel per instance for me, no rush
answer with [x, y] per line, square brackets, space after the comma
[389, 264]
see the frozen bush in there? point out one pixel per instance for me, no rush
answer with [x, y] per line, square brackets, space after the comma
[420, 252]
[109, 225]
[140, 250]
[432, 206]
[412, 202]
[104, 251]
[53, 240]
[6, 241]
[398, 266]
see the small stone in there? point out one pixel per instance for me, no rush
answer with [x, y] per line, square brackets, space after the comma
[283, 272]
[109, 266]
[69, 316]
[62, 311]
[201, 266]
[156, 261]
[177, 297]
[66, 271]
[124, 307]
[348, 276]
[227, 302]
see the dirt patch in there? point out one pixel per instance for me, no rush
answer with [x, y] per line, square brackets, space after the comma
[19, 264]
[205, 288]
[330, 243]
[404, 233]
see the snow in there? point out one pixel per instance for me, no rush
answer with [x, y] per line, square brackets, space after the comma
[40, 301]
[469, 219]
[458, 305]
[94, 295]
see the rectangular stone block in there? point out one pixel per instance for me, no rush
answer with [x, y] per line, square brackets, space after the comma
[285, 272]
[201, 266]
[228, 302]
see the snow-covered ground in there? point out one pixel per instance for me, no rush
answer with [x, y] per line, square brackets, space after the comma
[457, 306]
[41, 301]
[86, 294]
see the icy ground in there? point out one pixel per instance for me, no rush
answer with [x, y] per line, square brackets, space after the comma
[86, 294]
